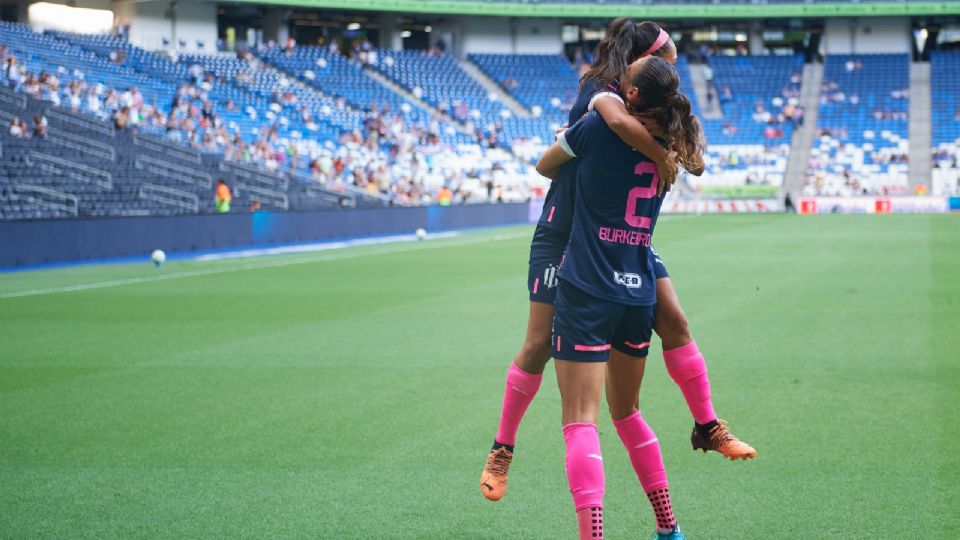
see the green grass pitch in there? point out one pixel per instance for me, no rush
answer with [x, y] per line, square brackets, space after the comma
[355, 393]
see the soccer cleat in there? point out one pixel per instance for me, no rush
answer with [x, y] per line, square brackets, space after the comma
[493, 481]
[721, 440]
[674, 534]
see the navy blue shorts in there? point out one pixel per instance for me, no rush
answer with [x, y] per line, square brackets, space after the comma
[546, 252]
[585, 327]
[659, 269]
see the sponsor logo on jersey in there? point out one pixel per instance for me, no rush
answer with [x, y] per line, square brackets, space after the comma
[630, 281]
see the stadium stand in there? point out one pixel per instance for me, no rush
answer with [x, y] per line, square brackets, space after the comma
[863, 125]
[945, 80]
[758, 95]
[545, 84]
[279, 143]
[94, 126]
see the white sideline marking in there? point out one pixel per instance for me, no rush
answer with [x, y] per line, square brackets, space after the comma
[319, 246]
[388, 249]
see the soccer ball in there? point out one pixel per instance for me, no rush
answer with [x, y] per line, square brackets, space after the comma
[421, 233]
[158, 257]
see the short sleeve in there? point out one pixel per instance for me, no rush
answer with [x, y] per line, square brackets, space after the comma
[597, 97]
[575, 141]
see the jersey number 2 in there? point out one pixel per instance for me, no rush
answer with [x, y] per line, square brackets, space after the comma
[638, 194]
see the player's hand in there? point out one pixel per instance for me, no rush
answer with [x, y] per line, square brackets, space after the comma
[560, 132]
[667, 172]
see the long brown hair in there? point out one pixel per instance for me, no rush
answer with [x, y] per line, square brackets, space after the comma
[623, 43]
[657, 83]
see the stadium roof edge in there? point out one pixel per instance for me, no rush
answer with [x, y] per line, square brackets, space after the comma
[655, 11]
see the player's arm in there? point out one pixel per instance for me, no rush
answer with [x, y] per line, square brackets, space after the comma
[553, 159]
[631, 131]
[573, 142]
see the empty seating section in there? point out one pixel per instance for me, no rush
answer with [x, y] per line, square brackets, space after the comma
[339, 78]
[346, 83]
[545, 84]
[751, 142]
[299, 107]
[863, 126]
[439, 81]
[944, 85]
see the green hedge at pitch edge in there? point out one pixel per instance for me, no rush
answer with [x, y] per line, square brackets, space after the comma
[740, 192]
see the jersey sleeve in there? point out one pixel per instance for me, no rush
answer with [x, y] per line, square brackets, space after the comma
[597, 97]
[576, 140]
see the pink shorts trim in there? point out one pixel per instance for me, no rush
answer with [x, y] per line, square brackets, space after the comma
[591, 348]
[550, 217]
[536, 285]
[643, 345]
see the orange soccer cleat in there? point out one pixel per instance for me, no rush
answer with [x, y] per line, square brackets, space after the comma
[493, 481]
[719, 439]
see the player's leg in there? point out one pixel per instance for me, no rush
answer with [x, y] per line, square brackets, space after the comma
[581, 385]
[523, 383]
[581, 341]
[687, 367]
[625, 369]
[526, 370]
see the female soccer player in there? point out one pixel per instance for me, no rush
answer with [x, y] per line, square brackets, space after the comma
[607, 290]
[625, 41]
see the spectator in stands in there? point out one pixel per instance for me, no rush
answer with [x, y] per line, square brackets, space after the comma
[121, 118]
[727, 94]
[444, 196]
[797, 119]
[40, 126]
[93, 102]
[223, 197]
[16, 130]
[12, 72]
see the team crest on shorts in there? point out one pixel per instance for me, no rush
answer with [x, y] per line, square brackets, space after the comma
[550, 276]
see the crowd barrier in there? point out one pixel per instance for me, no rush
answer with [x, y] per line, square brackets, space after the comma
[720, 206]
[37, 242]
[877, 205]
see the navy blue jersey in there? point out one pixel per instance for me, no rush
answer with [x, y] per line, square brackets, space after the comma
[616, 209]
[558, 205]
[590, 88]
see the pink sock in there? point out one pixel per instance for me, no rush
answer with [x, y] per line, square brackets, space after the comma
[584, 465]
[590, 523]
[644, 451]
[662, 509]
[688, 369]
[521, 388]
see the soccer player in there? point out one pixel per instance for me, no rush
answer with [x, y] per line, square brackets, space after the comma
[607, 291]
[625, 40]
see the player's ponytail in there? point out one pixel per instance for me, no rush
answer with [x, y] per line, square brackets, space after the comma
[689, 141]
[624, 42]
[620, 45]
[657, 86]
